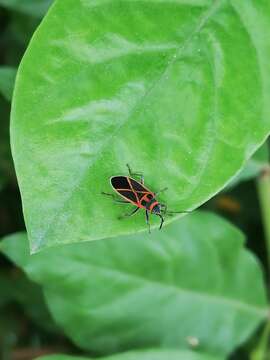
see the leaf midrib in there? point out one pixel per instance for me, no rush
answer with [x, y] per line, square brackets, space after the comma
[208, 298]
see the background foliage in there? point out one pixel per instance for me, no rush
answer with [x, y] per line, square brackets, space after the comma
[192, 291]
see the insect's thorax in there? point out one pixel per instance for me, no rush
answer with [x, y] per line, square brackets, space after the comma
[148, 201]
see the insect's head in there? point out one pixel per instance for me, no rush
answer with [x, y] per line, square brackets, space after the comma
[156, 209]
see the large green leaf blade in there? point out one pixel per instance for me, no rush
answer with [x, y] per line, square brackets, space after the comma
[141, 355]
[193, 280]
[179, 90]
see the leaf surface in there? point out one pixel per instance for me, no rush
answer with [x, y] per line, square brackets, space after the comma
[141, 355]
[191, 281]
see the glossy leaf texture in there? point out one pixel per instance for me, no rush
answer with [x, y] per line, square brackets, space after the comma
[178, 89]
[192, 281]
[142, 355]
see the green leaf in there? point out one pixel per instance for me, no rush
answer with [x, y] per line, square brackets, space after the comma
[30, 7]
[29, 296]
[63, 357]
[253, 167]
[262, 350]
[7, 295]
[142, 355]
[189, 283]
[178, 89]
[6, 164]
[7, 79]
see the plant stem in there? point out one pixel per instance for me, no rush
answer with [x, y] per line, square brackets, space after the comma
[264, 198]
[260, 352]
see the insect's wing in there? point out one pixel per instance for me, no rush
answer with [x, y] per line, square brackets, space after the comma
[137, 186]
[122, 185]
[129, 195]
[140, 189]
[120, 182]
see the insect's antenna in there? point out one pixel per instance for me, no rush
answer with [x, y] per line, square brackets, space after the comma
[178, 212]
[170, 213]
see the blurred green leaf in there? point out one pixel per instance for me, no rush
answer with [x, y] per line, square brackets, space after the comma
[63, 357]
[254, 166]
[36, 8]
[142, 355]
[7, 80]
[262, 350]
[189, 284]
[9, 333]
[15, 36]
[179, 90]
[6, 163]
[29, 296]
[7, 294]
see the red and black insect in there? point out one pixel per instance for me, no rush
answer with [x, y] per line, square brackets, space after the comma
[134, 192]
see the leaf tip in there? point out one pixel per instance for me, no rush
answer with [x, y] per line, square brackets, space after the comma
[35, 247]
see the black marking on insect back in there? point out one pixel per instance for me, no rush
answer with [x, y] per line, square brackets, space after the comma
[140, 195]
[128, 194]
[147, 201]
[120, 182]
[143, 202]
[146, 198]
[137, 186]
[150, 202]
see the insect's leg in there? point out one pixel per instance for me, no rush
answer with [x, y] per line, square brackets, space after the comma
[164, 208]
[115, 199]
[161, 222]
[160, 191]
[147, 220]
[130, 214]
[170, 213]
[135, 174]
[121, 201]
[179, 212]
